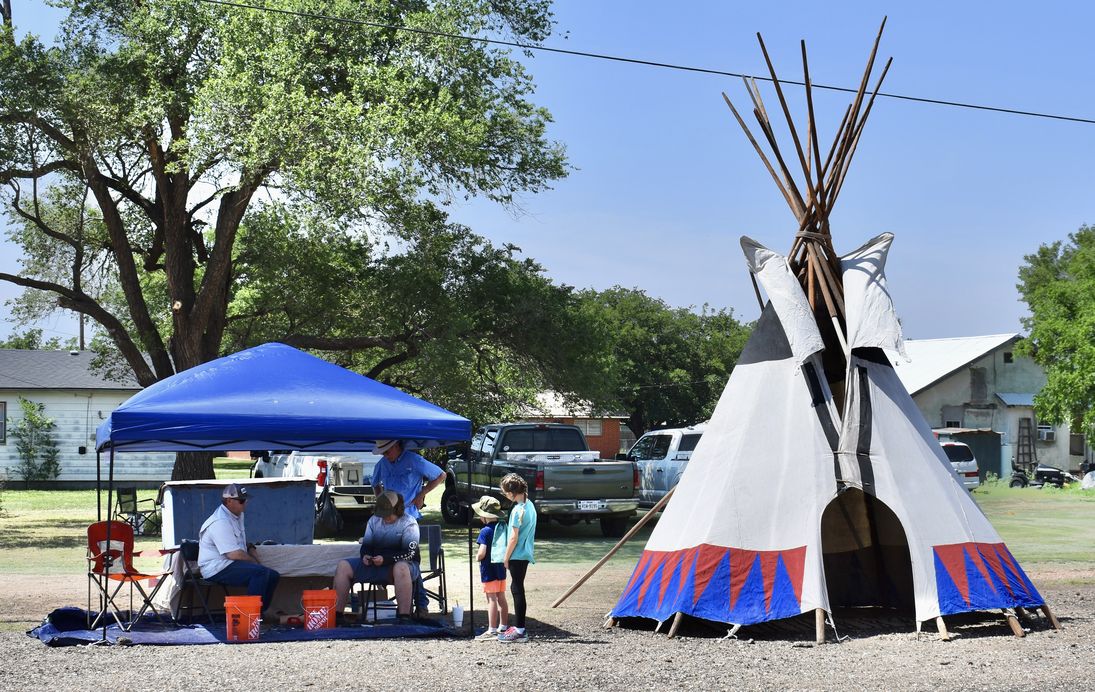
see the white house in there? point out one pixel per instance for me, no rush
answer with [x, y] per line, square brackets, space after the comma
[981, 383]
[77, 400]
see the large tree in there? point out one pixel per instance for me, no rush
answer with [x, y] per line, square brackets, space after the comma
[177, 120]
[1058, 285]
[670, 364]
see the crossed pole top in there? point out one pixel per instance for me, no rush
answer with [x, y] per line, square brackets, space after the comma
[812, 192]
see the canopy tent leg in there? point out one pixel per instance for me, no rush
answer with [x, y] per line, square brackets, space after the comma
[942, 626]
[1052, 618]
[819, 625]
[1013, 623]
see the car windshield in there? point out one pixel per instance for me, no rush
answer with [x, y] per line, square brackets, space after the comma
[957, 453]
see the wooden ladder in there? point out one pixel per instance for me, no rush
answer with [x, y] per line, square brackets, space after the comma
[1026, 459]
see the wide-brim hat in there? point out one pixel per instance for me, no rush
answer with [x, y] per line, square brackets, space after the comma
[488, 507]
[381, 446]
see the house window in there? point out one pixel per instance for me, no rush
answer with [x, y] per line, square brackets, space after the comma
[590, 427]
[1008, 357]
[952, 424]
[3, 422]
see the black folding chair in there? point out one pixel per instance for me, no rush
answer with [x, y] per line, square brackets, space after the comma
[431, 536]
[193, 584]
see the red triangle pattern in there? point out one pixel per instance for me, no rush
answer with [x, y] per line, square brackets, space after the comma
[974, 550]
[741, 564]
[707, 560]
[656, 559]
[1006, 556]
[794, 560]
[769, 559]
[989, 552]
[644, 559]
[675, 559]
[953, 558]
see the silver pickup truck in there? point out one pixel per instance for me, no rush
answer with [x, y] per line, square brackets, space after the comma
[567, 482]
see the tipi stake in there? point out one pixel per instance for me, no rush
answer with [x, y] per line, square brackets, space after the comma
[1052, 619]
[634, 529]
[676, 624]
[943, 634]
[819, 625]
[1013, 623]
[610, 623]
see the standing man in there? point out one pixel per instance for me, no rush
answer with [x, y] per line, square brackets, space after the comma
[413, 477]
[225, 556]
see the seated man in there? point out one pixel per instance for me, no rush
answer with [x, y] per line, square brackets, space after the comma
[225, 556]
[389, 554]
[412, 477]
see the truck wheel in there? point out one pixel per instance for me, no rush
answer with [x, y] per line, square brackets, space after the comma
[614, 527]
[451, 510]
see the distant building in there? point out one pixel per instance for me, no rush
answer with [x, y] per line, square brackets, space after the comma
[78, 401]
[605, 432]
[978, 384]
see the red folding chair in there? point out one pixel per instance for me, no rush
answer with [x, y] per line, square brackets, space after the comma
[119, 557]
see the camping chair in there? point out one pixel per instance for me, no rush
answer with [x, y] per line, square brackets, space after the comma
[436, 572]
[119, 557]
[198, 586]
[130, 507]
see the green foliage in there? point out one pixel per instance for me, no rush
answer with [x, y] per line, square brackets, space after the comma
[34, 443]
[1058, 285]
[131, 151]
[32, 340]
[669, 365]
[472, 326]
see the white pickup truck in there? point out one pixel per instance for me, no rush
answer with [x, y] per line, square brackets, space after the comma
[349, 477]
[662, 456]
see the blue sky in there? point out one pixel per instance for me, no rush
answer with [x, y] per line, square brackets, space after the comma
[665, 182]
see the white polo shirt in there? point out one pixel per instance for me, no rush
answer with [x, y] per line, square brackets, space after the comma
[221, 533]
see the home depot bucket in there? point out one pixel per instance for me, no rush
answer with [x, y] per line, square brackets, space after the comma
[319, 608]
[242, 617]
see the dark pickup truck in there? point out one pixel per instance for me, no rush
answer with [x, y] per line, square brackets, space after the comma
[567, 482]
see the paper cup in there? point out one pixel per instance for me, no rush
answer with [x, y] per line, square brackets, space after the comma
[458, 616]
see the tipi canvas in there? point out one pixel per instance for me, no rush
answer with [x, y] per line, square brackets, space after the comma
[791, 503]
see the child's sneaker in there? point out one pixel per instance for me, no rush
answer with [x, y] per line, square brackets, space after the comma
[512, 636]
[487, 636]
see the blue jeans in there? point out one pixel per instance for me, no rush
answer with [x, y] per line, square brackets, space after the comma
[260, 580]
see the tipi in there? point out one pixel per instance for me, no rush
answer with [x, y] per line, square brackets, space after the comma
[818, 484]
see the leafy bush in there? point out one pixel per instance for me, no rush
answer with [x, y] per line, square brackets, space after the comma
[39, 455]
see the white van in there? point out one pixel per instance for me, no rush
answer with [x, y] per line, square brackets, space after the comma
[662, 456]
[964, 463]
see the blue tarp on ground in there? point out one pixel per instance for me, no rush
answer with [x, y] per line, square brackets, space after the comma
[274, 397]
[67, 627]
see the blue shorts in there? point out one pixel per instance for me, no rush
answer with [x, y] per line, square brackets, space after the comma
[380, 573]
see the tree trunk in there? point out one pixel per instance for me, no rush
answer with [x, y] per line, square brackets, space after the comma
[193, 466]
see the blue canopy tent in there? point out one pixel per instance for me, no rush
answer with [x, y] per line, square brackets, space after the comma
[271, 397]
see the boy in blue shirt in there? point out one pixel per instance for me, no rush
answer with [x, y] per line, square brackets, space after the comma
[492, 574]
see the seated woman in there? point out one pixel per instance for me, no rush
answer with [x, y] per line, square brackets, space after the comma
[389, 554]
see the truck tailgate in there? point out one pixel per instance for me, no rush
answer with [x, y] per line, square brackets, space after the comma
[595, 480]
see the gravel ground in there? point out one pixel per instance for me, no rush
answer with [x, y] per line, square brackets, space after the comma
[570, 650]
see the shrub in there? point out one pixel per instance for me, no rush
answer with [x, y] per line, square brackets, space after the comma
[35, 445]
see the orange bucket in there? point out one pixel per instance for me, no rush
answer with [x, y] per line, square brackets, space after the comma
[319, 608]
[242, 616]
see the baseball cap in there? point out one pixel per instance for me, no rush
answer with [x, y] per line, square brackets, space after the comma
[388, 503]
[235, 491]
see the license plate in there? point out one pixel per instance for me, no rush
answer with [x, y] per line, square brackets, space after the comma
[590, 504]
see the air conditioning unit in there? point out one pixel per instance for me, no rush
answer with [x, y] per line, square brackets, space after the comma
[1047, 435]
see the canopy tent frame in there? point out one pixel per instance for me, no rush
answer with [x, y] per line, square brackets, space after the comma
[271, 397]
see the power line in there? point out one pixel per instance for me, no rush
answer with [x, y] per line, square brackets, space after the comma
[645, 63]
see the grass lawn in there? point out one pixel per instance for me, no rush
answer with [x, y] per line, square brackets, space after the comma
[44, 531]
